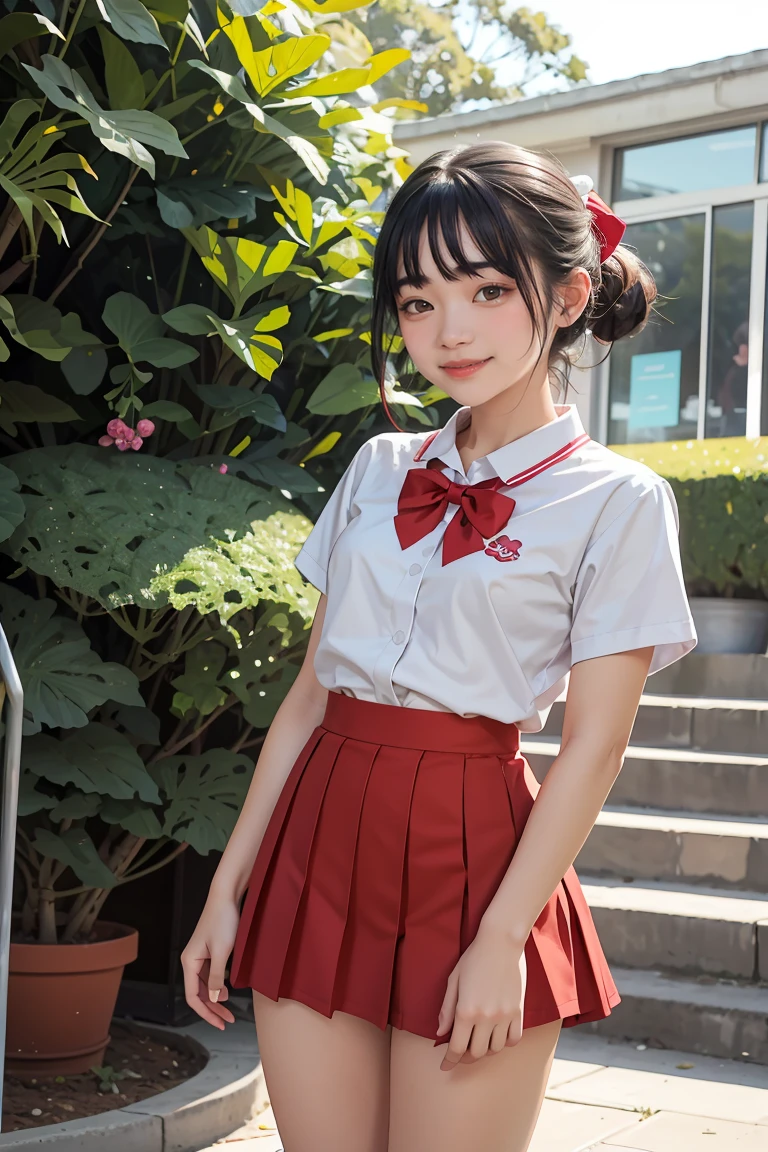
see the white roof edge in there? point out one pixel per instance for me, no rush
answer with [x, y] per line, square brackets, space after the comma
[586, 94]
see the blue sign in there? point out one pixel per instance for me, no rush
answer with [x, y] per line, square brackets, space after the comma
[654, 390]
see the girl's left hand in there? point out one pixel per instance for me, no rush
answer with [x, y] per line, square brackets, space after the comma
[484, 999]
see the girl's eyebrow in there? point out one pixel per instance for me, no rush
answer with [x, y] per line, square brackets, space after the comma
[475, 265]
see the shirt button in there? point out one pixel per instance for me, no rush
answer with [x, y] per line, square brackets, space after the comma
[399, 637]
[414, 569]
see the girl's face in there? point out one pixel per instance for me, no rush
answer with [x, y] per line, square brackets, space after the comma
[473, 337]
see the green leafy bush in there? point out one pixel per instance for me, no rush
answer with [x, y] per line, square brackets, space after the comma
[721, 487]
[189, 200]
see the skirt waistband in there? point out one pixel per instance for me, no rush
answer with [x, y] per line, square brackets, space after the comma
[423, 728]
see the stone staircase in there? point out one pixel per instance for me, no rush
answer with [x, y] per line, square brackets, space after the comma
[676, 871]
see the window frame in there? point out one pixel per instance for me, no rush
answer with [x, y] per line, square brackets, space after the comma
[651, 208]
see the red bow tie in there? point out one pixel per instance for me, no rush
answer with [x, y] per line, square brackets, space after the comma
[422, 502]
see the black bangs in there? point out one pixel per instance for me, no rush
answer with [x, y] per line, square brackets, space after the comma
[490, 217]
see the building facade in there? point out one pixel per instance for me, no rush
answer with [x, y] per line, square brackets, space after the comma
[682, 156]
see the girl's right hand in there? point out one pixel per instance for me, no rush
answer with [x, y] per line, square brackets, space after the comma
[205, 958]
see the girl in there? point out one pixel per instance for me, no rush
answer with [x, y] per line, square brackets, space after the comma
[405, 892]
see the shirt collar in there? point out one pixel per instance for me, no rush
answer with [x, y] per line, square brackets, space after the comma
[513, 458]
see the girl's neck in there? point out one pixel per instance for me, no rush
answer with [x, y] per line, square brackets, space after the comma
[500, 421]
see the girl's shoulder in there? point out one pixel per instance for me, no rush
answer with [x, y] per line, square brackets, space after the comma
[622, 485]
[618, 472]
[394, 449]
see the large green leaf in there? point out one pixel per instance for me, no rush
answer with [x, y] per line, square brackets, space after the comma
[95, 759]
[138, 819]
[84, 369]
[42, 328]
[131, 20]
[63, 678]
[122, 74]
[26, 404]
[272, 67]
[20, 26]
[199, 680]
[344, 389]
[206, 794]
[129, 132]
[240, 266]
[239, 402]
[105, 522]
[263, 122]
[198, 200]
[11, 504]
[75, 849]
[228, 576]
[140, 333]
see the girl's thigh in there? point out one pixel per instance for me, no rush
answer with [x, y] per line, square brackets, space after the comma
[327, 1079]
[492, 1104]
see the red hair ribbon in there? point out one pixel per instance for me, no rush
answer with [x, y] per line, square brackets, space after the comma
[607, 226]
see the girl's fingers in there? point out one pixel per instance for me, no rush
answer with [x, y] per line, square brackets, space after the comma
[448, 1010]
[499, 1037]
[515, 1031]
[196, 973]
[457, 1045]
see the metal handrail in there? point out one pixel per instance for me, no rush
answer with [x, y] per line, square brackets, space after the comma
[11, 686]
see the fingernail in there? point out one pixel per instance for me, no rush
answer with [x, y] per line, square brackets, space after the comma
[213, 995]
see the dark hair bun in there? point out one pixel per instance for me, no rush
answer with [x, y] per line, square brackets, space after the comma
[624, 298]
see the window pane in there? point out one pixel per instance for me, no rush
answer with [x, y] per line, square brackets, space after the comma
[654, 377]
[729, 321]
[694, 163]
[764, 155]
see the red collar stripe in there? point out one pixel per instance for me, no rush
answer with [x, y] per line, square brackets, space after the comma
[426, 444]
[529, 473]
[556, 458]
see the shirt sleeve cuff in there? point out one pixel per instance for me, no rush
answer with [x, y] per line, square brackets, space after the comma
[670, 641]
[310, 568]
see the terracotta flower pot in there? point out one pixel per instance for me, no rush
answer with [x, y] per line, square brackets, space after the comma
[61, 998]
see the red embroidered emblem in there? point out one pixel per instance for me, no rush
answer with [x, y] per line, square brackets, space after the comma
[502, 548]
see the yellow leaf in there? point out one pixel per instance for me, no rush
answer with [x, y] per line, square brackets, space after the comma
[238, 448]
[339, 116]
[333, 334]
[403, 168]
[324, 446]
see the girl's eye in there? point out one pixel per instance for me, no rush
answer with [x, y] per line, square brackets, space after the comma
[406, 307]
[499, 288]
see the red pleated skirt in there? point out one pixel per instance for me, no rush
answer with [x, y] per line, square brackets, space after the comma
[391, 835]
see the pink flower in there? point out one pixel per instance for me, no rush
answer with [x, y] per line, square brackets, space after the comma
[122, 445]
[106, 441]
[145, 427]
[116, 428]
[128, 434]
[136, 443]
[223, 468]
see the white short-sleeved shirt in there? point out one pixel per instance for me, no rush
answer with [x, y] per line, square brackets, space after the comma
[593, 569]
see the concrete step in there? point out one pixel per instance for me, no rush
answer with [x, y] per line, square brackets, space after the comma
[713, 1017]
[676, 778]
[653, 844]
[715, 724]
[680, 928]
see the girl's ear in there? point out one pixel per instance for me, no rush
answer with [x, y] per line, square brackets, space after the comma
[572, 297]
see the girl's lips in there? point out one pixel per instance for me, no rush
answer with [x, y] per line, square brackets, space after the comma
[467, 369]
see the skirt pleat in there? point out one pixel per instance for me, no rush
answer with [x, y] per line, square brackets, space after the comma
[389, 839]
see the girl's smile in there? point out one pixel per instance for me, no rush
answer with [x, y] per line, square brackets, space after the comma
[460, 368]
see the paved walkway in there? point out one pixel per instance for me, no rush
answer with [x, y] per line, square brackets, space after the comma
[604, 1095]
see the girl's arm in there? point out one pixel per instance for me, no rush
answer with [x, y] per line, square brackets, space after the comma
[602, 702]
[204, 959]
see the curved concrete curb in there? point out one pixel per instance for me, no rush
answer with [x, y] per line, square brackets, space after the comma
[229, 1090]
